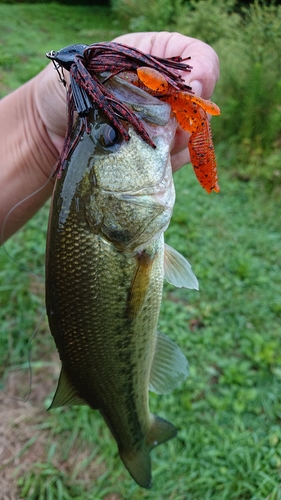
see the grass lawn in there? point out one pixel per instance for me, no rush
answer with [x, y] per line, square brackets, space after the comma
[229, 410]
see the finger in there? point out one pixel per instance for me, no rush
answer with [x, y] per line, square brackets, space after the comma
[179, 152]
[50, 99]
[180, 159]
[204, 60]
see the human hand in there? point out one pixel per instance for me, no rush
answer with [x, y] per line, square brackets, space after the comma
[51, 95]
[202, 78]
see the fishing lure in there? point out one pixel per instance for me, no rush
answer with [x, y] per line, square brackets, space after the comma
[86, 64]
[191, 113]
[91, 66]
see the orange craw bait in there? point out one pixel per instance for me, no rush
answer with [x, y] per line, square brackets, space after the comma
[191, 113]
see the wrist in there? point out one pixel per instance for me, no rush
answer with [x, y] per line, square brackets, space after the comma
[26, 161]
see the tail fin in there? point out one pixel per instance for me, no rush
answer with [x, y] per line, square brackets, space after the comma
[138, 461]
[138, 464]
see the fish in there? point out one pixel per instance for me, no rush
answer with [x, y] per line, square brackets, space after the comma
[106, 261]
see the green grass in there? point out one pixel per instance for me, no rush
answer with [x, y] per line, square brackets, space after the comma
[229, 410]
[29, 31]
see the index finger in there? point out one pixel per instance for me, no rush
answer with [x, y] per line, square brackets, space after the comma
[204, 60]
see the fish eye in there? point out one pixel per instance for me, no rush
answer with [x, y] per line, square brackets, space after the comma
[108, 137]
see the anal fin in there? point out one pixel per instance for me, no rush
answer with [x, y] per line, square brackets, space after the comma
[169, 367]
[160, 431]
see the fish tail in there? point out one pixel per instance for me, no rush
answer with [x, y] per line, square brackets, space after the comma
[138, 461]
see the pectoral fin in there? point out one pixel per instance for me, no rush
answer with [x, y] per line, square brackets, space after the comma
[140, 283]
[177, 270]
[169, 368]
[66, 394]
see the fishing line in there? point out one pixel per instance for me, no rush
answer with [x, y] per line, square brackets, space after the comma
[29, 358]
[3, 243]
[29, 367]
[30, 273]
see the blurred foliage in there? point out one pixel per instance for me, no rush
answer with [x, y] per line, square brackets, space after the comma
[249, 93]
[148, 15]
[249, 90]
[64, 2]
[53, 26]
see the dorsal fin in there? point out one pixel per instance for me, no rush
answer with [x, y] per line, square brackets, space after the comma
[66, 394]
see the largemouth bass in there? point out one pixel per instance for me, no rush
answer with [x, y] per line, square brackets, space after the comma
[105, 266]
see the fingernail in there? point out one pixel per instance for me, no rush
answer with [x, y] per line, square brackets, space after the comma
[196, 87]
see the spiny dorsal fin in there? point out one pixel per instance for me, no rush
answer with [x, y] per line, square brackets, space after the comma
[169, 368]
[66, 394]
[177, 269]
